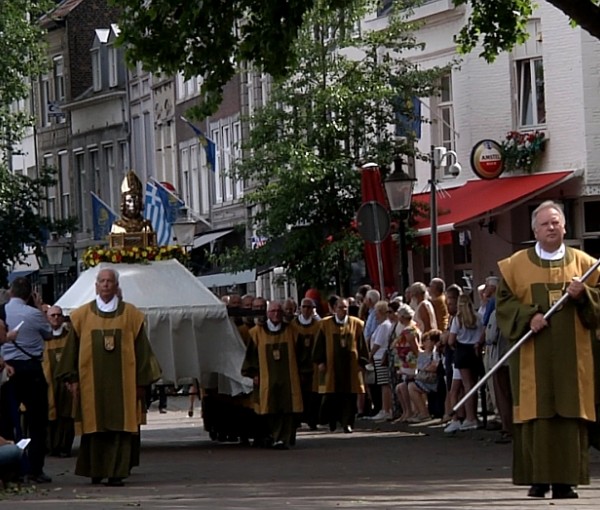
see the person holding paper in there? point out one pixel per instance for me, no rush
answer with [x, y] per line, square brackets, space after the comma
[27, 385]
[10, 456]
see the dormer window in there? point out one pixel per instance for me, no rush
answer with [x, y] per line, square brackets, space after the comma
[113, 74]
[96, 70]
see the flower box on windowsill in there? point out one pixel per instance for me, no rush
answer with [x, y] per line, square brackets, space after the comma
[522, 150]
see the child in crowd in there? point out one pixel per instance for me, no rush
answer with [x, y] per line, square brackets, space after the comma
[426, 379]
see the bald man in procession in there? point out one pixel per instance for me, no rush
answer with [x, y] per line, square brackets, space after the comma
[108, 362]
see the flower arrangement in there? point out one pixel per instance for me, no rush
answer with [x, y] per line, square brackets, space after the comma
[136, 255]
[521, 150]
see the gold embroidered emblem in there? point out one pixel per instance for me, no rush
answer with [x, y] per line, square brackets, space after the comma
[276, 354]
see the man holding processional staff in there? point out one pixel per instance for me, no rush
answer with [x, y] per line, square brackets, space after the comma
[552, 374]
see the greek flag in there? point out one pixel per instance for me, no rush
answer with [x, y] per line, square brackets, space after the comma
[154, 211]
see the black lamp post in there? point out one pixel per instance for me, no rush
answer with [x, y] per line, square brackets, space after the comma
[399, 188]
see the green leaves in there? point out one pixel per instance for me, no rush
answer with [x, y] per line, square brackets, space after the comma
[333, 113]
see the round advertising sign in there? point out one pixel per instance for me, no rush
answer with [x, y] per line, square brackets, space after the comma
[486, 159]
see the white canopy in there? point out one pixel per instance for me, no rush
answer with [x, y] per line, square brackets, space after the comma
[187, 324]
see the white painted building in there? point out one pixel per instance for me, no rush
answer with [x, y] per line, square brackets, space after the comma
[549, 84]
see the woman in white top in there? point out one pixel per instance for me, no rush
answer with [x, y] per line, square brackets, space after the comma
[465, 333]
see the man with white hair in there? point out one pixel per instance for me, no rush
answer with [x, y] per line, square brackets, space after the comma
[108, 362]
[553, 373]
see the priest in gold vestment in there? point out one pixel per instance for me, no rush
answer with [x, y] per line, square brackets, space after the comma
[108, 362]
[552, 375]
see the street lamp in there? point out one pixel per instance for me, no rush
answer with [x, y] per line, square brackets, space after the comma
[399, 188]
[54, 251]
[440, 158]
[184, 228]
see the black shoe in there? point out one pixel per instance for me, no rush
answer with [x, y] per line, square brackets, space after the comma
[538, 490]
[347, 429]
[115, 482]
[164, 411]
[563, 491]
[280, 445]
[96, 480]
[332, 426]
[40, 478]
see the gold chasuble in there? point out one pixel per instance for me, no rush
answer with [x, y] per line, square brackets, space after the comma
[562, 381]
[60, 400]
[110, 355]
[341, 347]
[306, 336]
[552, 375]
[272, 357]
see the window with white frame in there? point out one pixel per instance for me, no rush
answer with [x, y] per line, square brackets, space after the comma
[185, 172]
[226, 151]
[45, 99]
[113, 67]
[217, 170]
[51, 192]
[237, 157]
[64, 183]
[83, 188]
[59, 79]
[531, 105]
[251, 93]
[445, 112]
[108, 155]
[529, 79]
[194, 199]
[95, 170]
[124, 157]
[187, 89]
[96, 70]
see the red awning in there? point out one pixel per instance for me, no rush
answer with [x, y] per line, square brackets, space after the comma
[478, 197]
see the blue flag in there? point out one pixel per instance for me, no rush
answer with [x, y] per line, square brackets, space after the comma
[155, 212]
[171, 203]
[102, 217]
[209, 146]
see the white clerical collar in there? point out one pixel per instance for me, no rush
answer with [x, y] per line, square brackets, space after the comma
[546, 255]
[59, 331]
[111, 306]
[273, 328]
[340, 322]
[305, 322]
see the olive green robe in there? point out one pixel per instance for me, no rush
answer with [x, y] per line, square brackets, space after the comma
[272, 357]
[110, 356]
[306, 335]
[341, 348]
[552, 375]
[61, 408]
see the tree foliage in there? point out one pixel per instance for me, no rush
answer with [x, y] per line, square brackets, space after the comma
[23, 56]
[333, 113]
[212, 38]
[499, 25]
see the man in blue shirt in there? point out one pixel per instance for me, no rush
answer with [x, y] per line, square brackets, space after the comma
[27, 384]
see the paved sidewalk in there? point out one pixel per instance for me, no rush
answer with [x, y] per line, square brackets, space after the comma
[380, 466]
